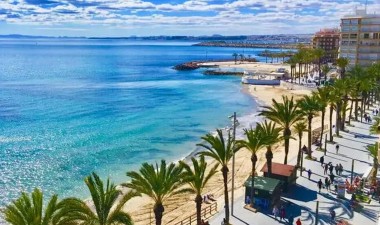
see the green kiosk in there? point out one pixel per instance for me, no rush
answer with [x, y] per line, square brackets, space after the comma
[267, 191]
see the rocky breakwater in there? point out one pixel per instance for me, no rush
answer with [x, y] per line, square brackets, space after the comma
[187, 66]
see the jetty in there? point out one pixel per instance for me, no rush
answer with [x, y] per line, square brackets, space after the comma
[222, 72]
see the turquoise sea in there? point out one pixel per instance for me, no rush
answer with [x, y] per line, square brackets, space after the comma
[70, 107]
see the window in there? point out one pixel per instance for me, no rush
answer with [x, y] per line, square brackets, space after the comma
[353, 35]
[376, 36]
[366, 35]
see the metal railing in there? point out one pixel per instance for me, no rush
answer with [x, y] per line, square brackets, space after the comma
[206, 212]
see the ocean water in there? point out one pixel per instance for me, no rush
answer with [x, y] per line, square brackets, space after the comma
[71, 107]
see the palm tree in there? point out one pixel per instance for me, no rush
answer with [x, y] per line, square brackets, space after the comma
[270, 136]
[217, 148]
[235, 55]
[284, 114]
[325, 71]
[108, 207]
[30, 210]
[197, 179]
[322, 96]
[309, 106]
[319, 53]
[255, 141]
[373, 152]
[342, 63]
[241, 57]
[159, 182]
[299, 128]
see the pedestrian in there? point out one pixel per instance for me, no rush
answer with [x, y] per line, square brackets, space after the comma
[322, 159]
[298, 222]
[331, 168]
[337, 148]
[291, 219]
[332, 178]
[326, 182]
[326, 168]
[320, 185]
[328, 185]
[340, 169]
[275, 212]
[332, 214]
[282, 213]
[309, 173]
[337, 169]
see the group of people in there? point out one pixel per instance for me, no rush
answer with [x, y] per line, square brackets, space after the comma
[367, 118]
[279, 212]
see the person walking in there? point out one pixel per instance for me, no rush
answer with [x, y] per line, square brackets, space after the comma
[326, 182]
[298, 222]
[332, 214]
[275, 212]
[337, 169]
[337, 148]
[320, 185]
[282, 213]
[322, 159]
[340, 169]
[326, 168]
[309, 173]
[332, 178]
[331, 168]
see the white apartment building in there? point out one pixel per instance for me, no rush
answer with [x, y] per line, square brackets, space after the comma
[360, 38]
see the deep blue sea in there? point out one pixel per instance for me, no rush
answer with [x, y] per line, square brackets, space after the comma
[71, 107]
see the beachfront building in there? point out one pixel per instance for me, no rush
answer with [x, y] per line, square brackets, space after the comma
[328, 40]
[360, 38]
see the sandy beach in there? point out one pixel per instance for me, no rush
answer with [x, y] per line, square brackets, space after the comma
[183, 206]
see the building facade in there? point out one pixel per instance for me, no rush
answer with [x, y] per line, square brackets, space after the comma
[360, 38]
[328, 40]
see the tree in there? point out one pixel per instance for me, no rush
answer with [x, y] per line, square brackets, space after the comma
[270, 135]
[373, 151]
[319, 53]
[235, 55]
[299, 128]
[342, 63]
[222, 151]
[284, 114]
[309, 106]
[255, 141]
[159, 182]
[30, 210]
[322, 96]
[325, 71]
[197, 178]
[108, 207]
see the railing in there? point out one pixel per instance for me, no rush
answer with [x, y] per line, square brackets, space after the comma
[206, 212]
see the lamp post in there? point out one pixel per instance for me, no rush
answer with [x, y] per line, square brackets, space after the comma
[234, 124]
[352, 170]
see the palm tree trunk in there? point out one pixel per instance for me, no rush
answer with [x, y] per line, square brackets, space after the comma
[253, 160]
[158, 213]
[287, 133]
[349, 116]
[310, 118]
[330, 120]
[269, 157]
[226, 204]
[343, 121]
[338, 119]
[356, 109]
[198, 203]
[299, 150]
[362, 109]
[323, 124]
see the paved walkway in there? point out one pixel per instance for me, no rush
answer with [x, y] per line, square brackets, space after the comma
[301, 199]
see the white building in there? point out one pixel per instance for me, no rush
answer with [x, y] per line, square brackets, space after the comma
[360, 38]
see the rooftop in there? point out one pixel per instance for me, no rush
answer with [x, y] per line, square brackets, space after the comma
[263, 183]
[279, 169]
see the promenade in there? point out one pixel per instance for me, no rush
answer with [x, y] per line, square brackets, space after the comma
[301, 200]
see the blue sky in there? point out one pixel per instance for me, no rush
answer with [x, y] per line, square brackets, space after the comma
[173, 17]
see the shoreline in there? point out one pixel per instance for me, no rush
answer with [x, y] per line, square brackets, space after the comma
[182, 206]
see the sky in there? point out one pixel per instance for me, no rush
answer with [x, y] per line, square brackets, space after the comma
[112, 18]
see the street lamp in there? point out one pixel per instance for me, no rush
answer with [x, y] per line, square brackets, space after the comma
[234, 124]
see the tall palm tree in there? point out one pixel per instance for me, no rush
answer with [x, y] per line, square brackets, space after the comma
[30, 210]
[159, 182]
[319, 53]
[325, 71]
[217, 148]
[108, 207]
[373, 152]
[270, 136]
[322, 96]
[284, 114]
[255, 141]
[299, 128]
[309, 106]
[342, 63]
[197, 178]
